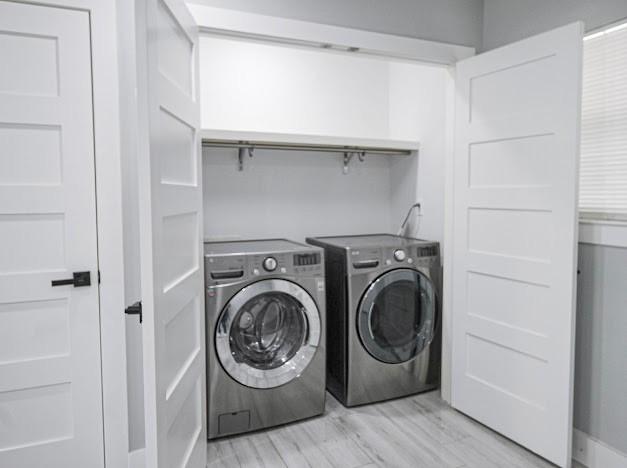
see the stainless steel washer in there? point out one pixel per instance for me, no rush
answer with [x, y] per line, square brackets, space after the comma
[383, 328]
[266, 334]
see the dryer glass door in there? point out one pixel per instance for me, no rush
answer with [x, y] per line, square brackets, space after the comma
[268, 333]
[396, 315]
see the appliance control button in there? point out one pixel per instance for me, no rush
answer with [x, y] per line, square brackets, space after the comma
[255, 271]
[399, 255]
[410, 260]
[269, 264]
[283, 270]
[388, 262]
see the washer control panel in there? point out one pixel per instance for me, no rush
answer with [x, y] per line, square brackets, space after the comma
[227, 268]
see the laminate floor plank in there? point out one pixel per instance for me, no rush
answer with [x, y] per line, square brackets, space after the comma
[419, 431]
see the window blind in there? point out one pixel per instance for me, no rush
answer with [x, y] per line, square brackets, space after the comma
[603, 176]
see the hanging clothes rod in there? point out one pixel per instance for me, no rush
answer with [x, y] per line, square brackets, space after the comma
[304, 147]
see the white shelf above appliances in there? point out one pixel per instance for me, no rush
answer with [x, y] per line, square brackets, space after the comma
[348, 146]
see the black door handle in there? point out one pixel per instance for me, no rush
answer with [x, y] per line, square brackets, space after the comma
[79, 278]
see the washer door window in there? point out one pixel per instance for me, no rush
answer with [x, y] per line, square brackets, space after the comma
[268, 333]
[396, 316]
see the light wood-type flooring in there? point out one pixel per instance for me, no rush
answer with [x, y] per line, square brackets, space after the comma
[417, 431]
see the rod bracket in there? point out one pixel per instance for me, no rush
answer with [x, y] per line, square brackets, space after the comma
[241, 152]
[348, 155]
[347, 159]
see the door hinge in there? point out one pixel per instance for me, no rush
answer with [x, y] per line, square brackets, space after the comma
[135, 309]
[98, 276]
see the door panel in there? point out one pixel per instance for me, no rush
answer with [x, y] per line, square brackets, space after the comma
[171, 240]
[50, 388]
[515, 238]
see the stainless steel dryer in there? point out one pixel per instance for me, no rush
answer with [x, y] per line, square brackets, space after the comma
[383, 316]
[265, 311]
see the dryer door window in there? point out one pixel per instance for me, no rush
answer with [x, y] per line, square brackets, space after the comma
[268, 333]
[396, 316]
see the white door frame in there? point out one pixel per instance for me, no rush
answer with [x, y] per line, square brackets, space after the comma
[104, 61]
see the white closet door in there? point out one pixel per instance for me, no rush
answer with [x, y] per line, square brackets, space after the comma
[515, 238]
[170, 193]
[50, 388]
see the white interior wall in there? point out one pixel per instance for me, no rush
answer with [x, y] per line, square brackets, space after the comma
[272, 88]
[422, 113]
[294, 195]
[276, 88]
[299, 194]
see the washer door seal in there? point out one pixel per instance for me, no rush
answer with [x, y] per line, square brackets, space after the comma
[396, 315]
[268, 333]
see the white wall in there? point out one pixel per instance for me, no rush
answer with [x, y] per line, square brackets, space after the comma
[453, 21]
[276, 88]
[506, 21]
[294, 195]
[272, 88]
[300, 194]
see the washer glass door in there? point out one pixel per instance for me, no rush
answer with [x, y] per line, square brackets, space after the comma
[396, 316]
[268, 333]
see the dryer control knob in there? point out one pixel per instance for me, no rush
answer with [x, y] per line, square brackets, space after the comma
[399, 255]
[269, 264]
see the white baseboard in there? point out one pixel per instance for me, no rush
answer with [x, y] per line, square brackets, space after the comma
[595, 454]
[136, 459]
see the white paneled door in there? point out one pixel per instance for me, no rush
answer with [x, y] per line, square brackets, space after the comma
[515, 238]
[50, 388]
[171, 242]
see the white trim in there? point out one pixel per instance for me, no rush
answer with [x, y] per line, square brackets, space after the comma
[238, 23]
[104, 56]
[137, 459]
[594, 453]
[447, 257]
[608, 233]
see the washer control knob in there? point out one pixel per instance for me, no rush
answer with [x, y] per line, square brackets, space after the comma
[399, 255]
[269, 264]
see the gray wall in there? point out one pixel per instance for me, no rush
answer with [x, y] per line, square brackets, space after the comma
[454, 21]
[601, 345]
[506, 21]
